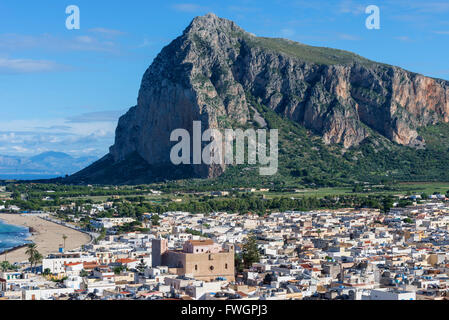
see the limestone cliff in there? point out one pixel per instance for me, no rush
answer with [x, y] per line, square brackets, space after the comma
[207, 73]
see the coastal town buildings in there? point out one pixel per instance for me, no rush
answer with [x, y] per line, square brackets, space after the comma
[348, 254]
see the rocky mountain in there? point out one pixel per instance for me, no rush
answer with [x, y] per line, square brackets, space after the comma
[217, 73]
[46, 164]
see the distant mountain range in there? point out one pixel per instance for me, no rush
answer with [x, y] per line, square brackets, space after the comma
[45, 165]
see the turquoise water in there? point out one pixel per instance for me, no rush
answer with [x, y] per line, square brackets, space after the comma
[12, 236]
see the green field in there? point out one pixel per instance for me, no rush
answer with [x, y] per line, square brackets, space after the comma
[424, 187]
[403, 188]
[135, 200]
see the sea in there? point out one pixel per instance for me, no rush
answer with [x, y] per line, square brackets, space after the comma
[12, 236]
[27, 176]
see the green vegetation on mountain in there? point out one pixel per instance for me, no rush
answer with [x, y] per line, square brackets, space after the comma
[311, 54]
[304, 160]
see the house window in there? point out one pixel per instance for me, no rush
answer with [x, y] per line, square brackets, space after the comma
[226, 265]
[196, 267]
[211, 268]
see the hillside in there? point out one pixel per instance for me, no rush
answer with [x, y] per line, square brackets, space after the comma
[342, 118]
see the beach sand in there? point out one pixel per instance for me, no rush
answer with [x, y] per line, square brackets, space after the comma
[47, 236]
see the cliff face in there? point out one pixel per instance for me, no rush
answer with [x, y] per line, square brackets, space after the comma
[206, 74]
[190, 80]
[339, 100]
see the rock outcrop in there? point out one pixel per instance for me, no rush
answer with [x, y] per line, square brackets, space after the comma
[208, 72]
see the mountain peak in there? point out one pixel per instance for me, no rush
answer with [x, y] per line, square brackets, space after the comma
[211, 16]
[217, 73]
[210, 23]
[51, 154]
[209, 19]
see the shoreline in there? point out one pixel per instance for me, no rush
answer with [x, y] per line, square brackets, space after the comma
[46, 234]
[30, 232]
[10, 250]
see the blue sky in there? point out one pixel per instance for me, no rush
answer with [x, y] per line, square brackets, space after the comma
[64, 90]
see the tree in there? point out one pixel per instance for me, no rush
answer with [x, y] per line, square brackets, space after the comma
[64, 238]
[46, 272]
[268, 278]
[155, 220]
[5, 266]
[31, 252]
[34, 257]
[298, 250]
[119, 269]
[141, 266]
[84, 273]
[387, 204]
[238, 263]
[37, 258]
[250, 252]
[408, 220]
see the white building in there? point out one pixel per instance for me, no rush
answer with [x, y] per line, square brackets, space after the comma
[45, 293]
[108, 223]
[73, 282]
[98, 286]
[386, 294]
[57, 262]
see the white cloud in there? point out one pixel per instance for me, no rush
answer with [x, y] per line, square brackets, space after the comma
[12, 42]
[19, 149]
[89, 134]
[428, 6]
[188, 7]
[28, 66]
[100, 116]
[108, 32]
[85, 39]
[349, 6]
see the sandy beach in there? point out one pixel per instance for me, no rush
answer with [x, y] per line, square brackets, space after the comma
[47, 235]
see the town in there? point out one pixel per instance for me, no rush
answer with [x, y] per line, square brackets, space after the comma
[323, 254]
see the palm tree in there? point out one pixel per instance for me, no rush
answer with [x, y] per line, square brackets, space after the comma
[84, 273]
[64, 237]
[31, 252]
[5, 266]
[37, 258]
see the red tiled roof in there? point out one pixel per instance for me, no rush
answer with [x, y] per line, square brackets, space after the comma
[125, 260]
[89, 265]
[149, 293]
[72, 264]
[242, 294]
